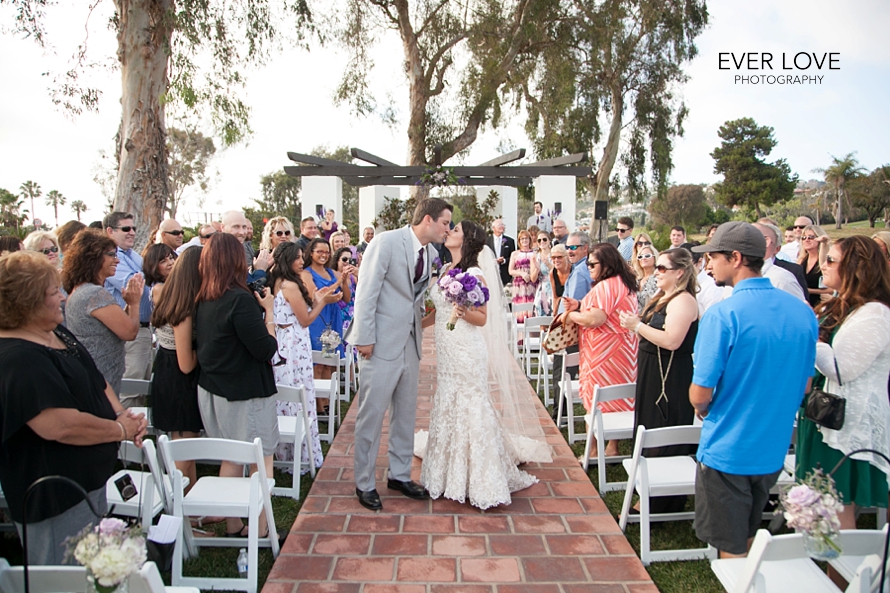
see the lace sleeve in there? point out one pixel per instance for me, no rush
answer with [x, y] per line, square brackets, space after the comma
[859, 341]
[97, 298]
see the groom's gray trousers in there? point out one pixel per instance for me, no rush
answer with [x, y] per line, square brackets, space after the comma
[386, 384]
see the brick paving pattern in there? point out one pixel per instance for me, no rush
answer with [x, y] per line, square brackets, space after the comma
[556, 537]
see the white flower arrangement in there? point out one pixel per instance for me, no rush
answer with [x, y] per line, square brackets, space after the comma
[330, 340]
[111, 552]
[812, 507]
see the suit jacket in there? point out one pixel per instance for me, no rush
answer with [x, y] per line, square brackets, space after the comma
[613, 239]
[795, 269]
[386, 292]
[508, 246]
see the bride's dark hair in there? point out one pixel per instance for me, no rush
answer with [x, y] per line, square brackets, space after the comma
[474, 241]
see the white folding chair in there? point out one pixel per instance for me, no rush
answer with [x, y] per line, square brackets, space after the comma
[602, 428]
[856, 546]
[532, 336]
[151, 498]
[569, 398]
[73, 579]
[148, 580]
[223, 497]
[661, 476]
[350, 379]
[516, 327]
[296, 430]
[779, 563]
[328, 388]
[138, 387]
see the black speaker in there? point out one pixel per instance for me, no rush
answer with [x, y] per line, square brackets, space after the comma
[601, 210]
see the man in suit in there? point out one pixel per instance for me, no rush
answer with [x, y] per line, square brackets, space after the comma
[395, 275]
[502, 246]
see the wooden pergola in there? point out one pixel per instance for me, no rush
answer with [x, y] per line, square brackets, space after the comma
[383, 172]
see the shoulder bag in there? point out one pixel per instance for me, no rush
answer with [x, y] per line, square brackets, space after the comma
[559, 336]
[827, 409]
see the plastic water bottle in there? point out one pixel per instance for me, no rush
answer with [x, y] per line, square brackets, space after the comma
[242, 563]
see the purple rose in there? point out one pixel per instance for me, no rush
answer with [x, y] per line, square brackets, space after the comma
[802, 495]
[455, 288]
[469, 282]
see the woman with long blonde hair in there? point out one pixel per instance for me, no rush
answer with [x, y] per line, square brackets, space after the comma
[814, 245]
[277, 231]
[643, 262]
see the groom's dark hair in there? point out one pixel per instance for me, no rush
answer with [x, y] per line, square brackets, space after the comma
[432, 206]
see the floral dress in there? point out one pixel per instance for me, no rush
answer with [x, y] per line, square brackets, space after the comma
[544, 293]
[293, 366]
[523, 292]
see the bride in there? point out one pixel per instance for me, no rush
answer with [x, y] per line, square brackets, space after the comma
[478, 432]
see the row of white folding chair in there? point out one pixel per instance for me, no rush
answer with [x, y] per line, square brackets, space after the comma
[779, 564]
[569, 397]
[73, 579]
[516, 327]
[139, 387]
[604, 427]
[330, 389]
[532, 331]
[224, 497]
[296, 430]
[154, 493]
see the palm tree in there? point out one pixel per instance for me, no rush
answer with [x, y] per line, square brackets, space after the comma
[55, 199]
[78, 206]
[838, 174]
[11, 209]
[30, 190]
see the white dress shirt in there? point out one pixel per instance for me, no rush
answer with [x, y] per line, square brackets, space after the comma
[782, 278]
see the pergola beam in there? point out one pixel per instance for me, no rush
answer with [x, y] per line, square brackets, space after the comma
[347, 170]
[571, 159]
[505, 158]
[362, 155]
[471, 181]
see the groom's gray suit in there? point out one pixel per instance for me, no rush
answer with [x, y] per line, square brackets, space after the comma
[388, 313]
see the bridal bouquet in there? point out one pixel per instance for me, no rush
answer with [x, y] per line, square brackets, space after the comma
[462, 289]
[811, 507]
[111, 552]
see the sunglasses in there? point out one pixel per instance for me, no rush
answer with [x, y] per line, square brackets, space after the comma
[644, 242]
[645, 256]
[174, 233]
[663, 269]
[111, 254]
[207, 236]
[345, 260]
[808, 238]
[801, 226]
[558, 257]
[282, 233]
[592, 264]
[573, 247]
[126, 229]
[830, 260]
[49, 250]
[543, 240]
[622, 230]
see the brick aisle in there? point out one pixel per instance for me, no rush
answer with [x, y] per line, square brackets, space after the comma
[556, 536]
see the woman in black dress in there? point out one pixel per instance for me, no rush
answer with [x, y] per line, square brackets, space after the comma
[814, 244]
[667, 333]
[174, 385]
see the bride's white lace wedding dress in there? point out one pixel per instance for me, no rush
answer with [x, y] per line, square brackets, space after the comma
[467, 453]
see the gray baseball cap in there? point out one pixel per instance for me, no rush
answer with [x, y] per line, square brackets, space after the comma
[736, 236]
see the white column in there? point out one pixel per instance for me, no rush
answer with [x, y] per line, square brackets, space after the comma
[323, 192]
[371, 200]
[507, 208]
[557, 190]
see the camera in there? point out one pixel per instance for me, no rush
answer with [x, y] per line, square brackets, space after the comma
[126, 487]
[352, 261]
[257, 286]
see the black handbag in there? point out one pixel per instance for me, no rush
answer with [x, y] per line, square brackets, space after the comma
[827, 409]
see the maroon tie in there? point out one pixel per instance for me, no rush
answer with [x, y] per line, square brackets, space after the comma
[418, 269]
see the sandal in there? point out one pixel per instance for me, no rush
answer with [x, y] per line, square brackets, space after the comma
[240, 533]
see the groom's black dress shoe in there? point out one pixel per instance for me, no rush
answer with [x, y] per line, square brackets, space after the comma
[409, 489]
[370, 499]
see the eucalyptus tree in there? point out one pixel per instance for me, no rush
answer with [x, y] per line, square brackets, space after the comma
[619, 63]
[837, 174]
[459, 57]
[189, 153]
[55, 199]
[190, 53]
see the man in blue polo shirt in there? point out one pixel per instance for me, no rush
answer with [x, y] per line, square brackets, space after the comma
[754, 355]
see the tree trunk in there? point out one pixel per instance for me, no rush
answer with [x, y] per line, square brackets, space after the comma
[840, 205]
[610, 151]
[143, 39]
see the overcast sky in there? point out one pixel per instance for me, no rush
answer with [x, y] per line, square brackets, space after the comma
[292, 105]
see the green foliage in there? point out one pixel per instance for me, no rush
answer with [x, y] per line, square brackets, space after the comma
[748, 180]
[841, 171]
[189, 153]
[871, 192]
[30, 190]
[79, 207]
[280, 196]
[682, 204]
[395, 213]
[55, 199]
[467, 207]
[617, 62]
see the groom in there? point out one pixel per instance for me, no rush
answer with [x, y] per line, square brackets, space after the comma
[386, 332]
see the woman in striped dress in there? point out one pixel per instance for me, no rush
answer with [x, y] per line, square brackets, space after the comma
[608, 351]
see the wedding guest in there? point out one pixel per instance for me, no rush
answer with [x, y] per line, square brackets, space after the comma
[235, 349]
[66, 233]
[343, 258]
[308, 231]
[170, 233]
[278, 230]
[678, 236]
[853, 362]
[520, 269]
[608, 351]
[667, 329]
[10, 244]
[60, 416]
[46, 243]
[814, 245]
[328, 225]
[91, 313]
[541, 275]
[294, 311]
[174, 379]
[156, 267]
[338, 240]
[882, 238]
[644, 260]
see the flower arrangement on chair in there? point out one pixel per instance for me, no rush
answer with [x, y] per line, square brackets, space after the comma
[811, 508]
[330, 340]
[111, 552]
